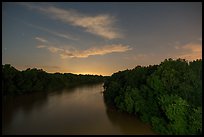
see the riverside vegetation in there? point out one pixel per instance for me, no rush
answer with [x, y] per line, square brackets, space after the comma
[15, 82]
[168, 96]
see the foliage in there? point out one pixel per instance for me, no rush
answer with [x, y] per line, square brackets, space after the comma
[168, 95]
[16, 82]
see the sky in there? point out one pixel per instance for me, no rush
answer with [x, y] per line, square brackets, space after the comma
[99, 38]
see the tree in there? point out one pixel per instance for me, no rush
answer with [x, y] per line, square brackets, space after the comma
[175, 109]
[16, 82]
[168, 95]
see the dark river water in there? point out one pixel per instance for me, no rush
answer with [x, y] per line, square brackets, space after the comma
[79, 110]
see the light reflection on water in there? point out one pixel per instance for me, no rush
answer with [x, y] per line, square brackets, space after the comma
[79, 110]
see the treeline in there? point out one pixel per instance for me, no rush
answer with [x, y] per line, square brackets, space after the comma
[16, 82]
[168, 96]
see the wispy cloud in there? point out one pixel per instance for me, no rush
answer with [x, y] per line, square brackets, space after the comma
[58, 34]
[41, 46]
[101, 25]
[66, 36]
[41, 39]
[66, 53]
[190, 51]
[54, 49]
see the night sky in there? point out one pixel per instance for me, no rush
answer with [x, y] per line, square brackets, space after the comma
[99, 38]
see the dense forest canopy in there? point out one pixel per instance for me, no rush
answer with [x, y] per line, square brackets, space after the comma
[16, 82]
[168, 95]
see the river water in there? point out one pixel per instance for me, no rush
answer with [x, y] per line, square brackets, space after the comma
[79, 110]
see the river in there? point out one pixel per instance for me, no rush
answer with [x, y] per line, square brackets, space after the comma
[79, 110]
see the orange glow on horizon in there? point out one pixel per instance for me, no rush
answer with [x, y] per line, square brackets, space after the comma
[82, 73]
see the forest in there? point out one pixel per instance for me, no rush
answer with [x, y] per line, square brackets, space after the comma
[15, 82]
[168, 96]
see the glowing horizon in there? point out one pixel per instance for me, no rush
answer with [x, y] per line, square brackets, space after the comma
[99, 38]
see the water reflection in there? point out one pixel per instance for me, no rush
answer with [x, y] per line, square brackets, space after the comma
[128, 124]
[79, 110]
[25, 103]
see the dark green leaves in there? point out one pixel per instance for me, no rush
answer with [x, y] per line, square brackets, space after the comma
[16, 82]
[169, 95]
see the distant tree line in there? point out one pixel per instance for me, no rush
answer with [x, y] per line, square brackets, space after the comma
[168, 96]
[16, 82]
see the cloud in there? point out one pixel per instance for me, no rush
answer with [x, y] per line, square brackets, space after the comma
[54, 49]
[41, 46]
[63, 35]
[190, 51]
[193, 47]
[41, 39]
[102, 51]
[101, 25]
[65, 53]
[66, 36]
